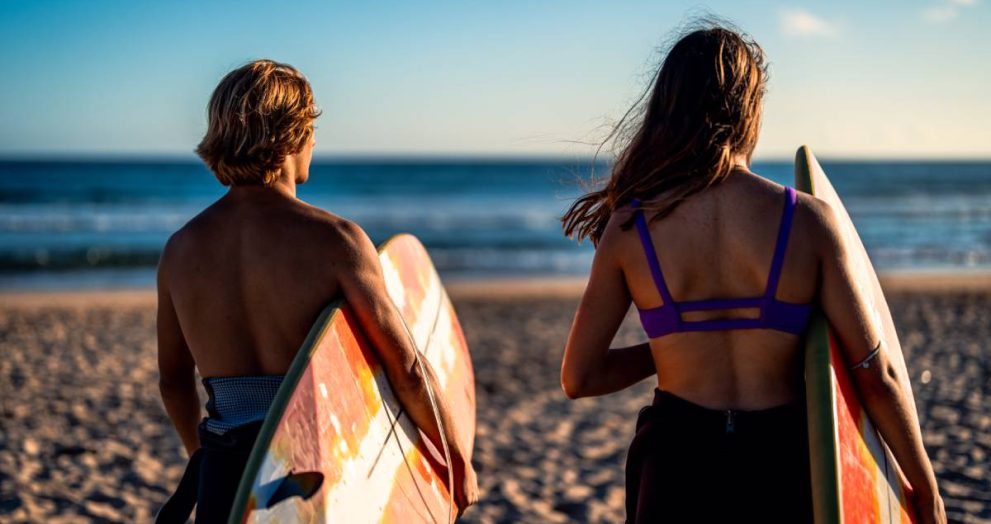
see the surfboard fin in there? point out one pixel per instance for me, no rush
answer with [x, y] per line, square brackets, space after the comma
[303, 484]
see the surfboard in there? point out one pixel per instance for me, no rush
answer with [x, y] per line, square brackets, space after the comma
[336, 445]
[855, 479]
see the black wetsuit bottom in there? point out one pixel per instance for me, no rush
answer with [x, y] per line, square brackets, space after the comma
[212, 476]
[224, 459]
[688, 463]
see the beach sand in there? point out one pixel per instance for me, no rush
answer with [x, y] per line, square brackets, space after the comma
[84, 437]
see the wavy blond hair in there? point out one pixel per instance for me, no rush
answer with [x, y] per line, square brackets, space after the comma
[260, 113]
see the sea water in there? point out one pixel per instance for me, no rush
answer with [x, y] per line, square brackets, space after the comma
[73, 224]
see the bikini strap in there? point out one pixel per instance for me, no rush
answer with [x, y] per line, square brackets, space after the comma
[782, 244]
[651, 254]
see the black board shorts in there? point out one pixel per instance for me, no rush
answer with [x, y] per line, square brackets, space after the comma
[688, 463]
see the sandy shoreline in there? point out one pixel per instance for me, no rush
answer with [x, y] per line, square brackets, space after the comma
[493, 288]
[83, 436]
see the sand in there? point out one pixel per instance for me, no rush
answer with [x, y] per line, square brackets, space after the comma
[84, 437]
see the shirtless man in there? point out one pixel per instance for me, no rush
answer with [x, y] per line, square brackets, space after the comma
[240, 285]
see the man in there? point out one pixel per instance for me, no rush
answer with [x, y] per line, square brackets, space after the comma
[240, 285]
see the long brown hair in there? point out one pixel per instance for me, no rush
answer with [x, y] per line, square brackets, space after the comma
[703, 110]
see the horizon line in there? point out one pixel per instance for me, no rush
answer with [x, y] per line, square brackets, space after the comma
[444, 157]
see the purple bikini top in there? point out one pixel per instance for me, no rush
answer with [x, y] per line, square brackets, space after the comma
[774, 314]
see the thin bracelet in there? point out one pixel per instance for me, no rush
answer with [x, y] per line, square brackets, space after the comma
[866, 363]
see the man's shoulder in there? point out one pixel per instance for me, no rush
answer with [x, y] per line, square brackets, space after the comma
[332, 227]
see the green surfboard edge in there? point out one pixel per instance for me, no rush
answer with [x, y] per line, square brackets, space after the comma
[282, 396]
[278, 407]
[819, 393]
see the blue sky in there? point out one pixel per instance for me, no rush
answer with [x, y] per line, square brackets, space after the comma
[896, 79]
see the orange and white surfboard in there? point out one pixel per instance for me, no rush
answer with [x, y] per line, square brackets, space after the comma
[336, 445]
[855, 479]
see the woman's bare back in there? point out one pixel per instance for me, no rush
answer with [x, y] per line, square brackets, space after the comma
[719, 244]
[248, 277]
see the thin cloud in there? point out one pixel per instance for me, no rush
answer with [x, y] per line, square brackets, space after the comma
[798, 22]
[943, 13]
[946, 11]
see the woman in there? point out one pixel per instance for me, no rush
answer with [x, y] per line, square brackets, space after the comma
[724, 267]
[240, 285]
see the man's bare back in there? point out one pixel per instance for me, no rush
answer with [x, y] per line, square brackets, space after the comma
[248, 277]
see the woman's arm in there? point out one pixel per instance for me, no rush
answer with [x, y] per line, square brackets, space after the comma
[364, 290]
[176, 369]
[589, 367]
[878, 385]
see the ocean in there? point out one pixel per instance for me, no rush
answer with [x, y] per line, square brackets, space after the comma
[97, 224]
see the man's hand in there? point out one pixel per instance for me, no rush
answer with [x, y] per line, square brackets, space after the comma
[929, 508]
[465, 487]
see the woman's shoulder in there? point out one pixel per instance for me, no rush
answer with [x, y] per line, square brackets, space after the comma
[619, 234]
[815, 219]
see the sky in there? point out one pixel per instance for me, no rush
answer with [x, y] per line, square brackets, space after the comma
[892, 79]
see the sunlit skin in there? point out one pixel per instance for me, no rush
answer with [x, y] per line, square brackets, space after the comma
[719, 244]
[241, 284]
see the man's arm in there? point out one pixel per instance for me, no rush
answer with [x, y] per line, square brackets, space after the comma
[363, 285]
[177, 378]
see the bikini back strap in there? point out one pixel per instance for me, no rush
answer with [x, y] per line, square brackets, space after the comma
[782, 244]
[648, 249]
